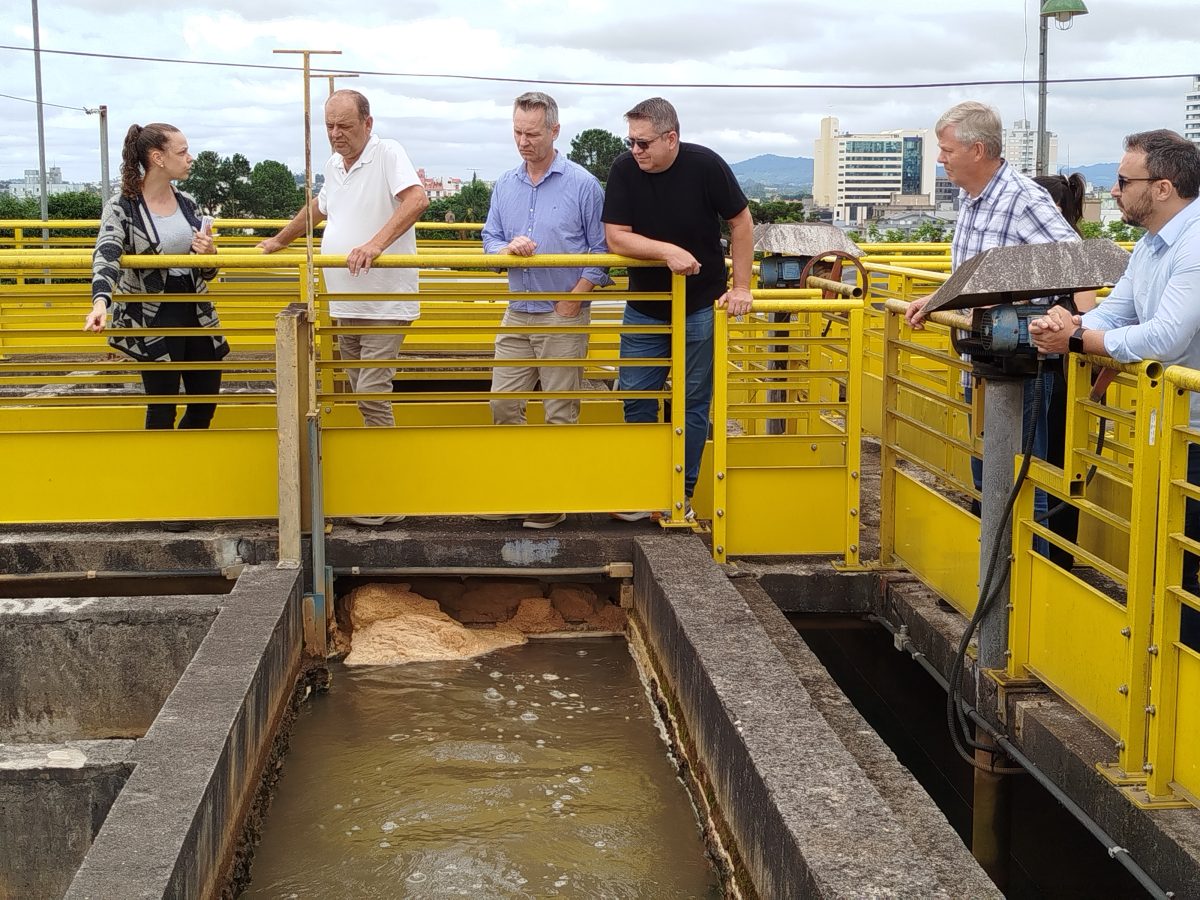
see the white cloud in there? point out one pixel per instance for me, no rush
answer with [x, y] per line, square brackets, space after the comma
[456, 126]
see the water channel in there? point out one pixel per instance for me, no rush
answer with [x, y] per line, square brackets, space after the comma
[535, 771]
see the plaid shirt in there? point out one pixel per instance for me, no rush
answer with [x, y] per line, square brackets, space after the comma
[1012, 209]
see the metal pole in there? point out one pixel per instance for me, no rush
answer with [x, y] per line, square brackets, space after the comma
[1003, 414]
[104, 182]
[41, 125]
[1043, 145]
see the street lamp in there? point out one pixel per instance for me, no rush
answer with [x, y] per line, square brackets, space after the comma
[102, 111]
[1062, 12]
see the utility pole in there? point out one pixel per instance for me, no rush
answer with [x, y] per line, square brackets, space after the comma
[333, 76]
[105, 186]
[41, 125]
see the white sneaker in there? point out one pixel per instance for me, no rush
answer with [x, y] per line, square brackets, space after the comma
[634, 516]
[375, 521]
[544, 520]
[688, 513]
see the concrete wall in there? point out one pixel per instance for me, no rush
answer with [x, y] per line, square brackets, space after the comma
[53, 800]
[92, 667]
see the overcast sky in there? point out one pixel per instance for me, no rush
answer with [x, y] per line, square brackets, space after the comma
[454, 126]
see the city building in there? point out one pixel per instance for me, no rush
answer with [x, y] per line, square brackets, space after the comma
[1191, 112]
[31, 186]
[859, 175]
[1020, 148]
[439, 188]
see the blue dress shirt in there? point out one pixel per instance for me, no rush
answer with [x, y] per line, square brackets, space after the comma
[561, 214]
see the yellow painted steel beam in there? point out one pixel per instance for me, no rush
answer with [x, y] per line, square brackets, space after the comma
[77, 485]
[464, 470]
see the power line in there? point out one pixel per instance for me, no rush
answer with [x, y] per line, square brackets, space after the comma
[624, 84]
[44, 103]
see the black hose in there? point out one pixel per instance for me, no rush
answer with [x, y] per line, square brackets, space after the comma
[1115, 851]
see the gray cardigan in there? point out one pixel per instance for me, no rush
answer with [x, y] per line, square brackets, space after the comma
[126, 227]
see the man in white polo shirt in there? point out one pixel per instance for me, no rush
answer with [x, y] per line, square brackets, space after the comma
[371, 198]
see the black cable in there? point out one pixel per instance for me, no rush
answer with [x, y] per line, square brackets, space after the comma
[989, 590]
[637, 84]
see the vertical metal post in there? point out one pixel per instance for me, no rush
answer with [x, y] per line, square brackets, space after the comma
[853, 420]
[1004, 413]
[678, 396]
[104, 152]
[990, 817]
[720, 462]
[1043, 146]
[290, 402]
[41, 124]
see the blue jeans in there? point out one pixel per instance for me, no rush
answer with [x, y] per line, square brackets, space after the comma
[1041, 444]
[698, 386]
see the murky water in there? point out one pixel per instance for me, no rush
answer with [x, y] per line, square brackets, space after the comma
[536, 771]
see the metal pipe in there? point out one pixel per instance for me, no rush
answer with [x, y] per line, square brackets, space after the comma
[107, 186]
[1003, 405]
[1115, 851]
[838, 287]
[41, 123]
[947, 318]
[614, 570]
[94, 574]
[1043, 145]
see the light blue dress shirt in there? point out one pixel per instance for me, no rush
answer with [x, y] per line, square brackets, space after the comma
[1154, 310]
[561, 214]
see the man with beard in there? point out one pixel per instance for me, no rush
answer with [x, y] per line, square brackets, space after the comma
[1154, 310]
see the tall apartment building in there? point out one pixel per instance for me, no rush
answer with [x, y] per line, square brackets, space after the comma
[1191, 112]
[856, 175]
[1020, 148]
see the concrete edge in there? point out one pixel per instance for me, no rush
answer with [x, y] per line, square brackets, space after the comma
[173, 829]
[804, 817]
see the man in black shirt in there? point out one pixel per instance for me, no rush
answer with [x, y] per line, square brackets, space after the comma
[666, 200]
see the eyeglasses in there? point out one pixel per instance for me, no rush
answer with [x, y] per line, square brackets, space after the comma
[642, 145]
[1123, 182]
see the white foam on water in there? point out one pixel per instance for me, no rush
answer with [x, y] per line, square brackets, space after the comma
[549, 676]
[529, 717]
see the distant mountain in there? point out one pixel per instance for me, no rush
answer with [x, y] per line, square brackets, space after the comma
[779, 172]
[1101, 176]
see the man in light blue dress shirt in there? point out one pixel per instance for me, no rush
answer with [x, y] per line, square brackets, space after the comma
[1154, 310]
[547, 204]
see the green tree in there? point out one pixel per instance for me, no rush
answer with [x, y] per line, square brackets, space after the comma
[893, 236]
[929, 232]
[873, 233]
[468, 205]
[220, 185]
[595, 149]
[854, 236]
[776, 211]
[1121, 232]
[272, 191]
[204, 181]
[1091, 230]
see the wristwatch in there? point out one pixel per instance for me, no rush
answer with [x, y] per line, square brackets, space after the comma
[1075, 341]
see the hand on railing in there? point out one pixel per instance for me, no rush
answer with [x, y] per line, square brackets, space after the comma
[915, 314]
[737, 300]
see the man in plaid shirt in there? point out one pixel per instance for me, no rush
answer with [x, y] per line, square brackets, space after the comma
[999, 207]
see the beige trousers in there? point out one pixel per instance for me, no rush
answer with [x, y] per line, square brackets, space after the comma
[374, 380]
[548, 345]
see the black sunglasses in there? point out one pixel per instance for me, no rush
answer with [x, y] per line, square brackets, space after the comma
[1123, 182]
[642, 145]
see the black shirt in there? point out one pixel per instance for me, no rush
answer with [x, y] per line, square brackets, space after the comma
[683, 205]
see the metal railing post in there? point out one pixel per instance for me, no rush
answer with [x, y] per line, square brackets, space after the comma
[290, 334]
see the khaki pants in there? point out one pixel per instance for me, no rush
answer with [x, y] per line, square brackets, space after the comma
[365, 347]
[549, 345]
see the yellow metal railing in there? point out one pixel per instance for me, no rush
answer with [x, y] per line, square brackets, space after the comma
[793, 390]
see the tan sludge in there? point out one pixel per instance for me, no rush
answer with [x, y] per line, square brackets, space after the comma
[392, 624]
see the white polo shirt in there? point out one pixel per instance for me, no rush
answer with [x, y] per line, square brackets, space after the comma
[356, 204]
